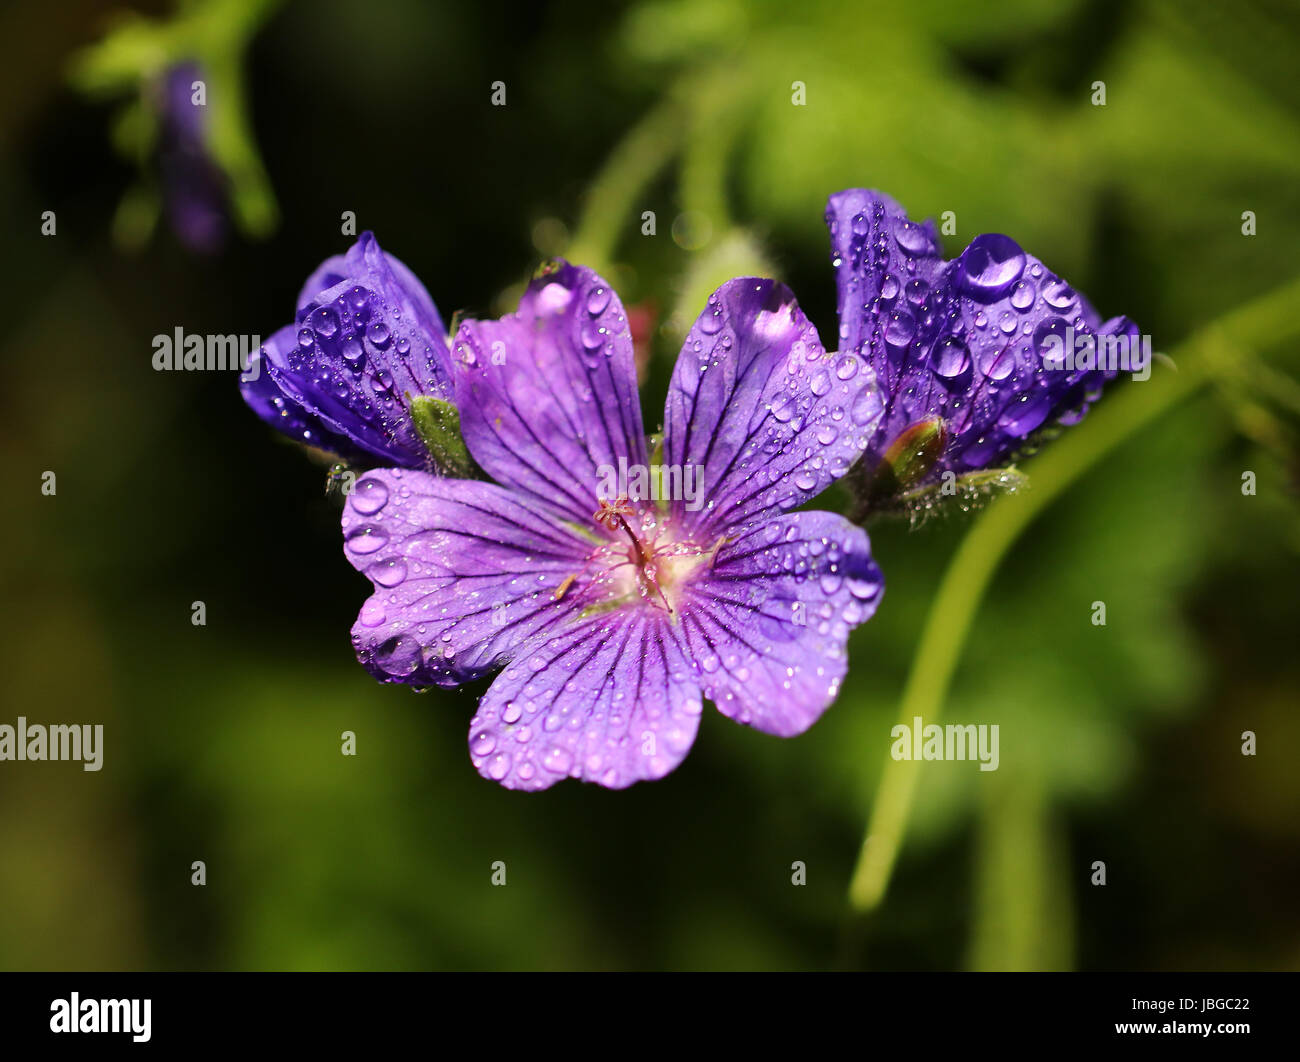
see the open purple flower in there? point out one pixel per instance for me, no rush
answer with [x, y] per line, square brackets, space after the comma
[613, 613]
[959, 347]
[364, 371]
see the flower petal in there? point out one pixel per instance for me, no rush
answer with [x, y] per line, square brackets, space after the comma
[876, 249]
[283, 413]
[611, 700]
[359, 349]
[769, 626]
[961, 341]
[366, 264]
[547, 395]
[463, 574]
[768, 418]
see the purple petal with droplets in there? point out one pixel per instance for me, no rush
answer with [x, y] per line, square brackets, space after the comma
[366, 264]
[768, 627]
[464, 572]
[364, 346]
[358, 349]
[610, 700]
[962, 340]
[283, 413]
[548, 395]
[767, 416]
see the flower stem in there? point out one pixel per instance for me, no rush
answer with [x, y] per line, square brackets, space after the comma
[634, 163]
[1262, 322]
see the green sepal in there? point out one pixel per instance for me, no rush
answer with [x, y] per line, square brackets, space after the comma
[964, 493]
[910, 456]
[438, 424]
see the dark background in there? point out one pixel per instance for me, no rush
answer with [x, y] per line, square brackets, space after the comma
[1119, 743]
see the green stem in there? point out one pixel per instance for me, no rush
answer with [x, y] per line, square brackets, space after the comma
[715, 125]
[1263, 321]
[610, 204]
[1022, 917]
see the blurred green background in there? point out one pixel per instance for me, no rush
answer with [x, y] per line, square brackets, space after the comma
[222, 743]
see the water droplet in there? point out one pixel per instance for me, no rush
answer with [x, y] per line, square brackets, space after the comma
[911, 237]
[558, 760]
[784, 407]
[1059, 295]
[369, 497]
[861, 588]
[593, 336]
[389, 573]
[990, 266]
[866, 406]
[951, 357]
[1024, 415]
[597, 300]
[995, 362]
[326, 323]
[399, 656]
[1023, 295]
[901, 328]
[366, 539]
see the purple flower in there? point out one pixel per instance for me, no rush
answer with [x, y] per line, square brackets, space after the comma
[193, 185]
[958, 347]
[366, 342]
[614, 614]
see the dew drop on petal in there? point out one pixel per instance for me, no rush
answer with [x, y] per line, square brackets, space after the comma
[990, 265]
[369, 496]
[597, 300]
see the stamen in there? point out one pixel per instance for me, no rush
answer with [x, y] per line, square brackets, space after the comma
[563, 588]
[613, 515]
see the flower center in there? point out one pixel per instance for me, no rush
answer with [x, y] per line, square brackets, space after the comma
[644, 561]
